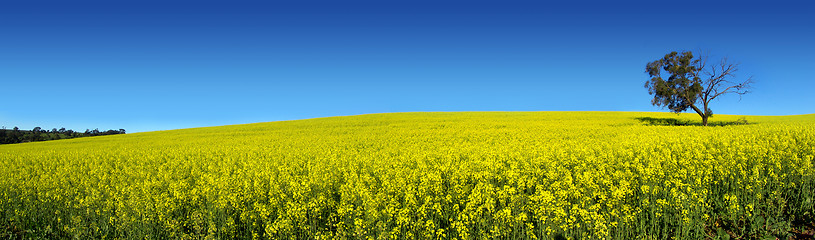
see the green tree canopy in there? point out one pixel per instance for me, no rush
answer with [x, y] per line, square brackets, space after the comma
[680, 81]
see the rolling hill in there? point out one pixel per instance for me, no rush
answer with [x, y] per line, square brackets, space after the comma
[509, 175]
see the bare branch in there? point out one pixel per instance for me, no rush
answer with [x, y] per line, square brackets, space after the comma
[701, 64]
[719, 80]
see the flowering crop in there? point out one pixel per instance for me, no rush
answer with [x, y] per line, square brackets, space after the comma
[506, 175]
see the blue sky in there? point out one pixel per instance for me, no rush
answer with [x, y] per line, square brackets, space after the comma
[156, 65]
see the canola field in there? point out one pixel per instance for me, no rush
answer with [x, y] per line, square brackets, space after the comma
[465, 175]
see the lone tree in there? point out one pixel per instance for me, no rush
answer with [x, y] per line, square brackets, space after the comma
[692, 83]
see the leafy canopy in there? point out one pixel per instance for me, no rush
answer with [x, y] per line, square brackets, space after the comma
[683, 86]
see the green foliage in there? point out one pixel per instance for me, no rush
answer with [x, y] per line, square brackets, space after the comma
[682, 87]
[687, 122]
[690, 85]
[38, 134]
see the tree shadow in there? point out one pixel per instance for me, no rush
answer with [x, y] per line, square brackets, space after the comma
[650, 121]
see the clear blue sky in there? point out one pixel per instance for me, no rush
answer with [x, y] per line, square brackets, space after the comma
[155, 65]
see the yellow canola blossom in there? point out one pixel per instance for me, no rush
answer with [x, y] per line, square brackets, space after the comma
[468, 175]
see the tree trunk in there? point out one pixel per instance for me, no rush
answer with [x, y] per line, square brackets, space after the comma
[701, 114]
[707, 112]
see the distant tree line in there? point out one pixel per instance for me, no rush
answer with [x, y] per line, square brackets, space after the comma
[16, 135]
